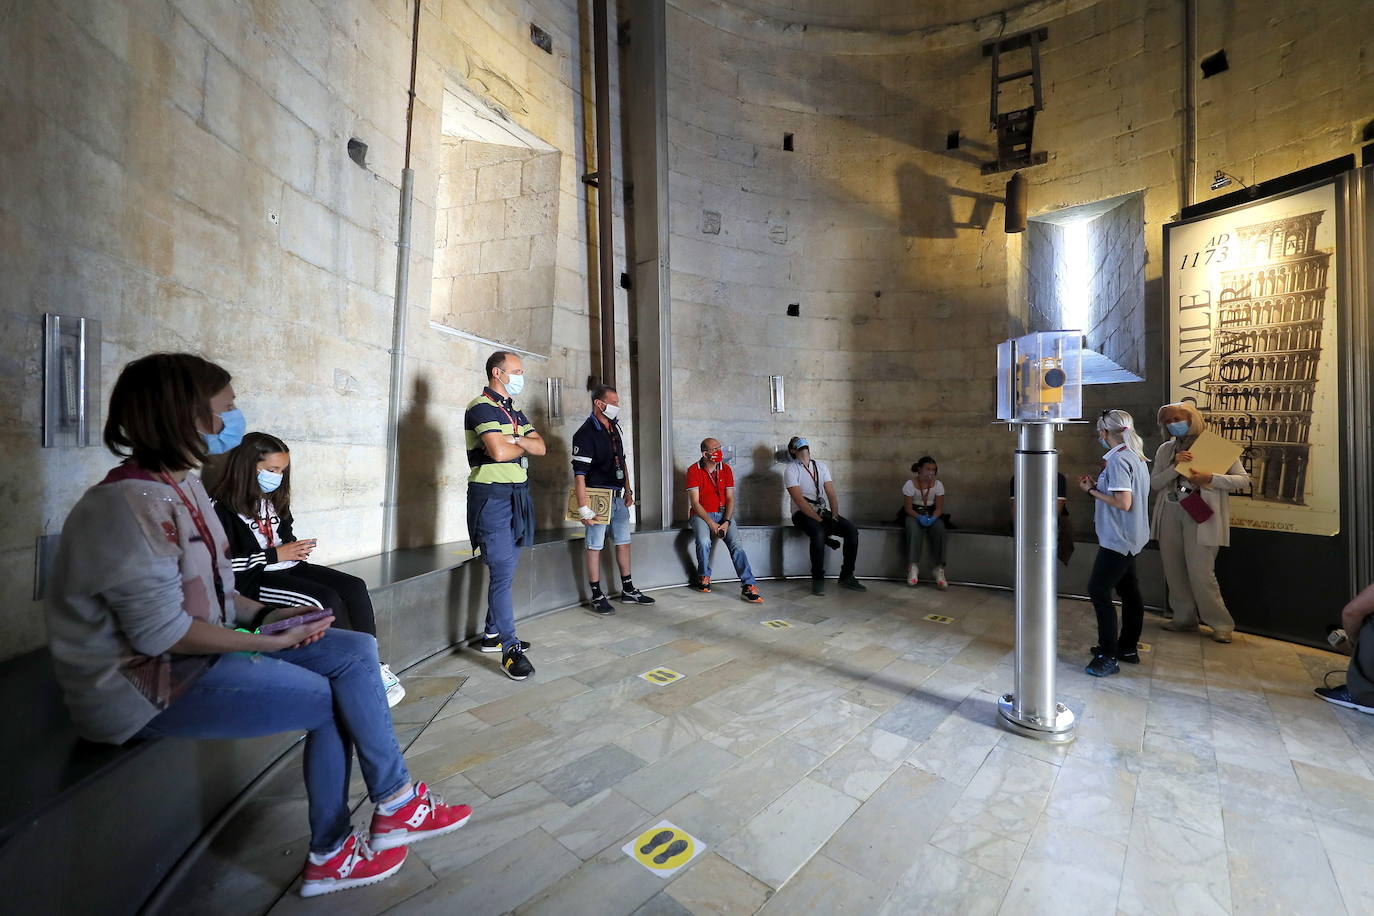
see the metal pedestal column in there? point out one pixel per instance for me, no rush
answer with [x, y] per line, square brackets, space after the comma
[1032, 710]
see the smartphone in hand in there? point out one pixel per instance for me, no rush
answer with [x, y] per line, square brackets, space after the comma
[281, 626]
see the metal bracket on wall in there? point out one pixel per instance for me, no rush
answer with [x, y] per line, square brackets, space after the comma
[1015, 128]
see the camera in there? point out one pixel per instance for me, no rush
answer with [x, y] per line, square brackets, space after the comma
[924, 510]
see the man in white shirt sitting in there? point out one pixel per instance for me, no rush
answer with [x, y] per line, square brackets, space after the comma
[809, 484]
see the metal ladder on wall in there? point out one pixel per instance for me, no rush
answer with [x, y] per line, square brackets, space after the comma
[1015, 128]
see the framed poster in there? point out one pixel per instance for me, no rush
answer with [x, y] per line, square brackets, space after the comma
[1252, 340]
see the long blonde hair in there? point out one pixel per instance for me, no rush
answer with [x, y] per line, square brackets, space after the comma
[1119, 421]
[1196, 425]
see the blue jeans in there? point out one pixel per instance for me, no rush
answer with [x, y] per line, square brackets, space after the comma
[620, 527]
[705, 542]
[494, 532]
[330, 689]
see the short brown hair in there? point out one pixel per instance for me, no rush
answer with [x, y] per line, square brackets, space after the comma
[156, 408]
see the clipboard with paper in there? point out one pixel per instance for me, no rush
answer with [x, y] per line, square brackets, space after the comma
[1211, 453]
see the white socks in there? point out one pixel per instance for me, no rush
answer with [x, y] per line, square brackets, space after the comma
[399, 802]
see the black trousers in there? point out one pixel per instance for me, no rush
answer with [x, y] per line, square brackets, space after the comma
[322, 587]
[1112, 570]
[838, 527]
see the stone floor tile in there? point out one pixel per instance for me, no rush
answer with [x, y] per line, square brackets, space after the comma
[714, 886]
[588, 775]
[499, 881]
[834, 723]
[749, 785]
[494, 824]
[939, 882]
[591, 826]
[824, 887]
[1276, 871]
[1173, 871]
[1096, 798]
[533, 697]
[1066, 870]
[779, 840]
[864, 763]
[660, 784]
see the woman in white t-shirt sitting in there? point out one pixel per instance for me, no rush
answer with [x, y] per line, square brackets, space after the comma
[923, 507]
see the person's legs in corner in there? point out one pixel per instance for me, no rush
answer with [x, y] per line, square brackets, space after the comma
[1107, 569]
[620, 533]
[496, 536]
[915, 537]
[816, 532]
[1172, 555]
[345, 595]
[702, 540]
[1358, 690]
[595, 540]
[844, 528]
[1202, 579]
[749, 589]
[1132, 611]
[938, 539]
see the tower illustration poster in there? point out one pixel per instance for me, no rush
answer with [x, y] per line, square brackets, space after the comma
[1252, 341]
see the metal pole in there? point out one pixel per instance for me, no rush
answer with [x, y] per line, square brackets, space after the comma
[1032, 710]
[605, 243]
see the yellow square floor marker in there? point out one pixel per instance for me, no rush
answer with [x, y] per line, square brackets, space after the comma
[1142, 647]
[661, 677]
[775, 624]
[939, 618]
[664, 849]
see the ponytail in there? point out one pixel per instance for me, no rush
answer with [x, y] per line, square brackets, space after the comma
[1119, 421]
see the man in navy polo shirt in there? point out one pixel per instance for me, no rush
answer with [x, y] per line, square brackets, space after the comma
[598, 460]
[500, 511]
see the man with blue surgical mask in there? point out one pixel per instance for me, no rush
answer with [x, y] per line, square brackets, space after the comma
[500, 440]
[809, 484]
[228, 421]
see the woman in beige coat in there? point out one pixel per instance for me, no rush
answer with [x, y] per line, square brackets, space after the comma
[1188, 548]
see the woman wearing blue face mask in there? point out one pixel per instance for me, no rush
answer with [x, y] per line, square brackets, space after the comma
[1187, 547]
[253, 501]
[227, 420]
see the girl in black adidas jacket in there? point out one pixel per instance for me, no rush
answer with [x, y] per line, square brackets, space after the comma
[253, 501]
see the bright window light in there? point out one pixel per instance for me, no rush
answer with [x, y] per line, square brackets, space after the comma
[1075, 293]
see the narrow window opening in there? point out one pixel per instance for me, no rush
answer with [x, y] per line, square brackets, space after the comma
[952, 140]
[1213, 64]
[787, 142]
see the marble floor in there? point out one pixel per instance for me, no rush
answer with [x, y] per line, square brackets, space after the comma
[850, 763]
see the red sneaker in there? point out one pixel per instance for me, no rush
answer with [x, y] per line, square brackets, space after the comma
[355, 865]
[425, 816]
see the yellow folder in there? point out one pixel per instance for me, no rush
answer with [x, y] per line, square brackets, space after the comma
[1211, 453]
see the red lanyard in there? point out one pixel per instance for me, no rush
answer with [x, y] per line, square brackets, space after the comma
[265, 523]
[925, 494]
[203, 530]
[715, 485]
[515, 427]
[815, 476]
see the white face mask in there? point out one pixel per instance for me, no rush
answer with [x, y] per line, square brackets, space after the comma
[611, 411]
[514, 384]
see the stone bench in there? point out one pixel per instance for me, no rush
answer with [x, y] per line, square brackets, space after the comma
[120, 818]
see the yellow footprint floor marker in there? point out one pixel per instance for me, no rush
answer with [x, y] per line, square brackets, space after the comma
[664, 848]
[1142, 647]
[775, 624]
[662, 677]
[939, 618]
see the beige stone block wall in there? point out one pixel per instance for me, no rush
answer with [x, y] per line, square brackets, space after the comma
[179, 171]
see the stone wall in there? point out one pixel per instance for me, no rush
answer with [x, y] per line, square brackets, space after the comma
[180, 172]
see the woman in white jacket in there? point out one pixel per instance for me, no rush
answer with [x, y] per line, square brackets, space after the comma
[1188, 548]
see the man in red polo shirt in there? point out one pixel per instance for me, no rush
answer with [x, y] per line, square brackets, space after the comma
[711, 495]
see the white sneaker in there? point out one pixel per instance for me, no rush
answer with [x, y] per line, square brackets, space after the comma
[940, 582]
[913, 574]
[395, 693]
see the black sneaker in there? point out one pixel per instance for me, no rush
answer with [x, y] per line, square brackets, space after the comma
[751, 594]
[635, 596]
[1101, 666]
[818, 587]
[1341, 697]
[602, 605]
[832, 543]
[492, 643]
[853, 584]
[1130, 658]
[516, 665]
[701, 585]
